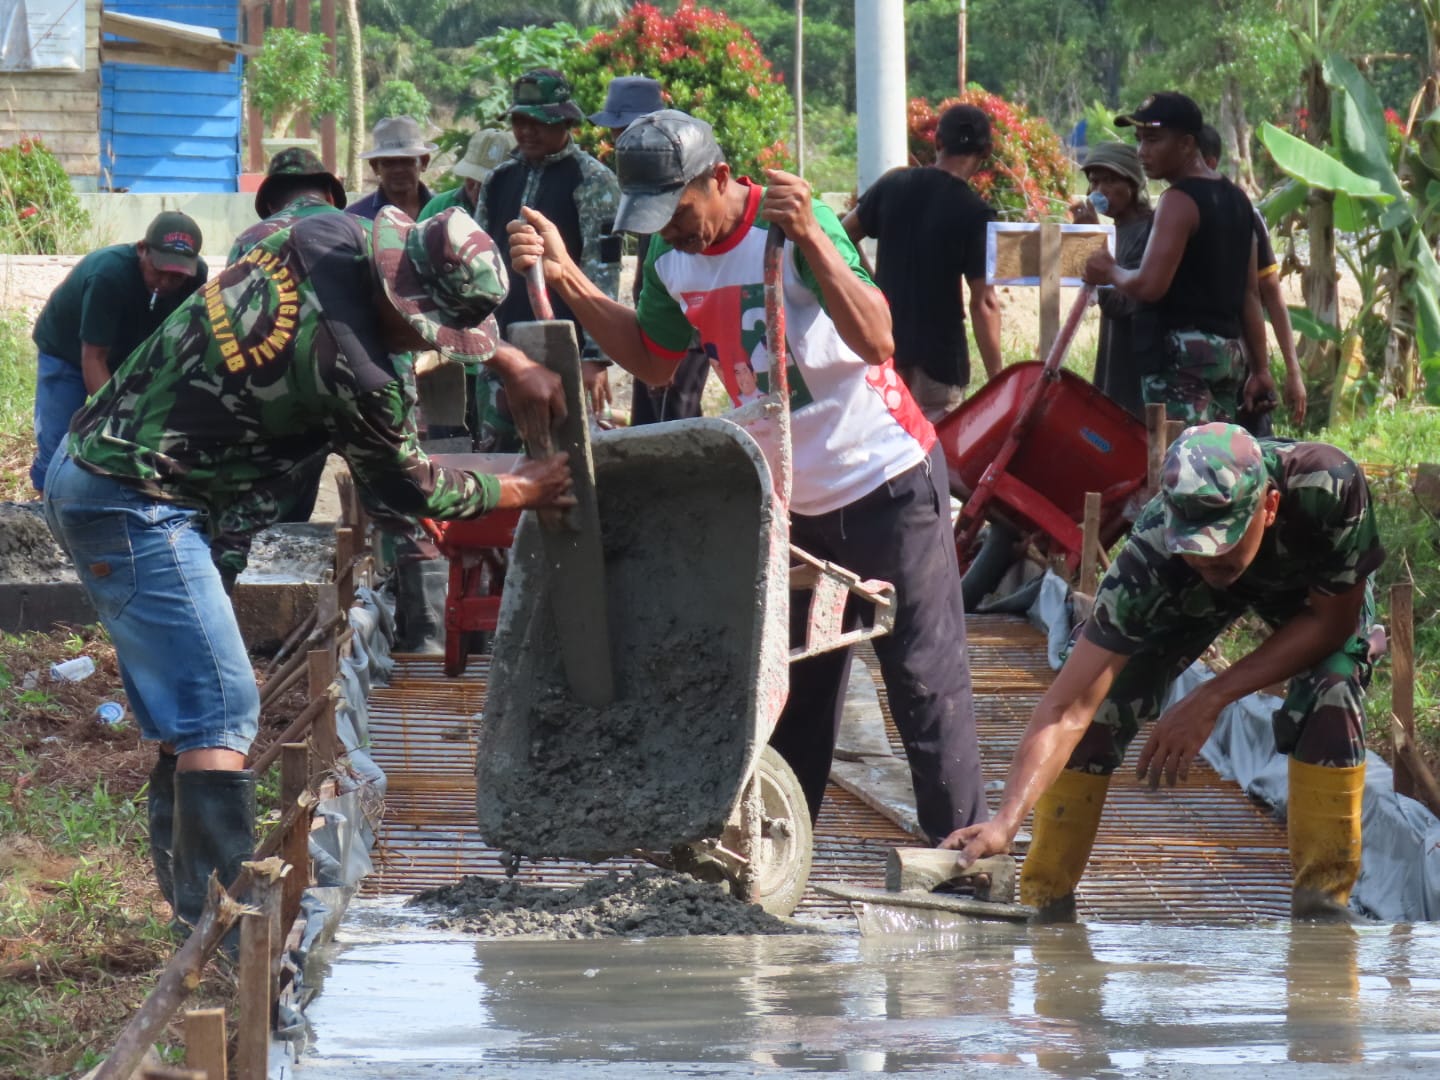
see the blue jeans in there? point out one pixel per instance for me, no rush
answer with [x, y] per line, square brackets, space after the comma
[59, 393]
[149, 574]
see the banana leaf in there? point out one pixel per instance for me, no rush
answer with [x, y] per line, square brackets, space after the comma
[1361, 135]
[1304, 322]
[1314, 166]
[1287, 199]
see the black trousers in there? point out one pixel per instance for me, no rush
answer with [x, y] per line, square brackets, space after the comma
[900, 533]
[678, 400]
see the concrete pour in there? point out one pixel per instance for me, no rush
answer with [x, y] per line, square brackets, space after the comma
[27, 550]
[683, 536]
[644, 904]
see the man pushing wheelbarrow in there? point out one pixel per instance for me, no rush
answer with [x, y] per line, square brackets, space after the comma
[869, 481]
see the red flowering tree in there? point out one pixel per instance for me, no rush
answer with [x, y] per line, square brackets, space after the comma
[708, 65]
[1027, 177]
[39, 213]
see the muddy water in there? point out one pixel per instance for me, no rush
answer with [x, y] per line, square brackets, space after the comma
[1101, 1000]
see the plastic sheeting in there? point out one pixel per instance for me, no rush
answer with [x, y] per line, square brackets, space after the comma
[1400, 865]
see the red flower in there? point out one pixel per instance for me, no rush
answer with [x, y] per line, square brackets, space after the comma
[29, 211]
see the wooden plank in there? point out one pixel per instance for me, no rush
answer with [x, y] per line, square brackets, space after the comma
[1090, 544]
[138, 52]
[205, 1042]
[48, 100]
[1402, 675]
[254, 995]
[1049, 286]
[295, 848]
[1155, 445]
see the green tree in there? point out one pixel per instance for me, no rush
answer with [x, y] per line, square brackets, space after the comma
[503, 57]
[397, 97]
[291, 74]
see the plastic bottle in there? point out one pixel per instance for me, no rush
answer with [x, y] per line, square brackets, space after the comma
[82, 667]
[110, 712]
[1099, 202]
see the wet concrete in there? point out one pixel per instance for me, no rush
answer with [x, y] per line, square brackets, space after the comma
[401, 999]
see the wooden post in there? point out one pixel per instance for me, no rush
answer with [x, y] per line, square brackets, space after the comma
[322, 674]
[1173, 428]
[1402, 675]
[328, 152]
[256, 990]
[1155, 441]
[205, 1042]
[295, 848]
[1090, 544]
[254, 122]
[346, 548]
[166, 1072]
[1049, 286]
[302, 23]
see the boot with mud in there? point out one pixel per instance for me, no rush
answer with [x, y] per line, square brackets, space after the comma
[214, 832]
[1066, 820]
[1324, 828]
[160, 804]
[420, 586]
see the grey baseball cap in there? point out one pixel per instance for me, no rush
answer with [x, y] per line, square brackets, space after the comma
[655, 158]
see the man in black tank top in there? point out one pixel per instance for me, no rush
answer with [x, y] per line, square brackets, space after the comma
[1198, 270]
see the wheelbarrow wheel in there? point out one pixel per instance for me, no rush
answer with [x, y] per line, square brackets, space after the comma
[782, 867]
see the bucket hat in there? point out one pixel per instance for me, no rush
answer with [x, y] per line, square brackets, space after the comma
[445, 276]
[628, 98]
[398, 136]
[290, 162]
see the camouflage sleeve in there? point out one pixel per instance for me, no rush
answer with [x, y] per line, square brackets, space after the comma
[1332, 499]
[1137, 601]
[378, 438]
[597, 198]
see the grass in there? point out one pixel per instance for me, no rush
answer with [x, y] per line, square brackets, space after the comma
[17, 401]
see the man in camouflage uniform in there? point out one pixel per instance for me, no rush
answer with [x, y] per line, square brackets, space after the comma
[1280, 528]
[548, 172]
[286, 353]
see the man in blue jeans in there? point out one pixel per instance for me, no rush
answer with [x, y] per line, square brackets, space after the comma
[112, 301]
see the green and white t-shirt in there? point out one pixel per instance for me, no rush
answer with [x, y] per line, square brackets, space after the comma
[854, 424]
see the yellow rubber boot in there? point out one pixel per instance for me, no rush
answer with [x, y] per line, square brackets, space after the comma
[1063, 830]
[1324, 827]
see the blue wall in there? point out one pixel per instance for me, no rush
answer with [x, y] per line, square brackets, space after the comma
[167, 129]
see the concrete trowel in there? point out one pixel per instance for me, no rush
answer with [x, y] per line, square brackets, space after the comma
[571, 538]
[931, 880]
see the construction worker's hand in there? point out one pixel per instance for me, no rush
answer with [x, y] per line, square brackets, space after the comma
[1082, 212]
[978, 841]
[536, 484]
[534, 237]
[597, 386]
[1294, 393]
[534, 394]
[1176, 738]
[787, 204]
[1260, 393]
[1099, 268]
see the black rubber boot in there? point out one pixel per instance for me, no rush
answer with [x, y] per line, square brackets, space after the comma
[420, 586]
[214, 832]
[160, 802]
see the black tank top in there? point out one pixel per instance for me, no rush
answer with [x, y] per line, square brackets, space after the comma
[1208, 292]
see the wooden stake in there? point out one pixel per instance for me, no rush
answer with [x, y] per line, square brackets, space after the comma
[205, 1042]
[1049, 286]
[1173, 428]
[346, 548]
[295, 847]
[1155, 440]
[1402, 675]
[165, 1072]
[256, 989]
[1090, 544]
[322, 674]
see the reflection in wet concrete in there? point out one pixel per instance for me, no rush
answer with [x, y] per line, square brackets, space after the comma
[1071, 1001]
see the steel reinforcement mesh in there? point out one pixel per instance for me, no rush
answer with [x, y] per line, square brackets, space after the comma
[1201, 852]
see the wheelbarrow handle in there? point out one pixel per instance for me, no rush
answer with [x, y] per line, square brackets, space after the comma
[1061, 345]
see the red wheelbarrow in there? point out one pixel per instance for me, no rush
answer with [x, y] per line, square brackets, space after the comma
[476, 549]
[1025, 449]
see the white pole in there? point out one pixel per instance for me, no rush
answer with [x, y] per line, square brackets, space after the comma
[800, 87]
[880, 87]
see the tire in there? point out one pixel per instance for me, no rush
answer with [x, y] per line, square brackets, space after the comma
[786, 845]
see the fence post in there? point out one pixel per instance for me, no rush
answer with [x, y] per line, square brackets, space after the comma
[205, 1042]
[1402, 675]
[322, 674]
[256, 991]
[1155, 441]
[1050, 242]
[295, 848]
[346, 548]
[1090, 544]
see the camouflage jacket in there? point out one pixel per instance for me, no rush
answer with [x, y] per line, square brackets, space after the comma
[302, 206]
[1323, 538]
[277, 358]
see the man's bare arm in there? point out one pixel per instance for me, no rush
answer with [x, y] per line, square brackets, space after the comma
[1272, 299]
[856, 232]
[985, 321]
[94, 366]
[1176, 219]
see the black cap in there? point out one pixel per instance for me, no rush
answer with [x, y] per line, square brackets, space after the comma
[655, 158]
[173, 240]
[1168, 109]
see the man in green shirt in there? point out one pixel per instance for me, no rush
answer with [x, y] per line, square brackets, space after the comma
[111, 302]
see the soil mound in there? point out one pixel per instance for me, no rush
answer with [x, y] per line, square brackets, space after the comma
[645, 903]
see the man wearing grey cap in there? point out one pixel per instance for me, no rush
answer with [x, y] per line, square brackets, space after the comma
[398, 155]
[867, 489]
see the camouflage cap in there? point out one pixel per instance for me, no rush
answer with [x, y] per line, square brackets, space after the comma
[294, 161]
[1212, 484]
[445, 276]
[545, 95]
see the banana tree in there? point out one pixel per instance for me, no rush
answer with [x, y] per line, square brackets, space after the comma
[1389, 223]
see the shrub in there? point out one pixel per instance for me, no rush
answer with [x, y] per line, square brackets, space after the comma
[39, 212]
[291, 74]
[708, 65]
[1027, 177]
[397, 97]
[504, 56]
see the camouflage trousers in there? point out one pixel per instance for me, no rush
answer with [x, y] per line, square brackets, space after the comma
[1321, 722]
[493, 429]
[1203, 379]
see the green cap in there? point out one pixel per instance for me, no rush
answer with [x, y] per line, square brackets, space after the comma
[293, 161]
[1212, 484]
[445, 277]
[545, 95]
[486, 152]
[173, 241]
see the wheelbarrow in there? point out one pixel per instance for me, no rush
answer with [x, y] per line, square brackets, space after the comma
[476, 549]
[1025, 450]
[698, 573]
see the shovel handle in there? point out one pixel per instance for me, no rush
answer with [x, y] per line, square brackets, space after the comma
[539, 293]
